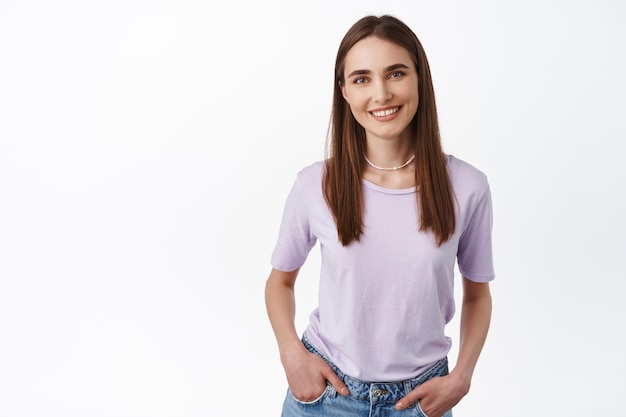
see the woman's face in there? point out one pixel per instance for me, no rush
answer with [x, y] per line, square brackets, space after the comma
[381, 88]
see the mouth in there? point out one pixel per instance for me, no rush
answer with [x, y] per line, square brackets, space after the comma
[385, 112]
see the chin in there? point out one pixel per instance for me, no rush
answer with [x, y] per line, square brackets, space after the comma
[388, 135]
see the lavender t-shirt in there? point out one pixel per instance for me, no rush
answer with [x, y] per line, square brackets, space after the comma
[384, 301]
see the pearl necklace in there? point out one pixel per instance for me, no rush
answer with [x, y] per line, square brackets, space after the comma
[389, 169]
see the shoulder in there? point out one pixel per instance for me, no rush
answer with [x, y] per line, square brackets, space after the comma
[464, 175]
[470, 184]
[311, 175]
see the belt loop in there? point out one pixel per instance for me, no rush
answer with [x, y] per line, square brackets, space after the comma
[407, 387]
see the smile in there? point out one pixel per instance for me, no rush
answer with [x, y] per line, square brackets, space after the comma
[386, 112]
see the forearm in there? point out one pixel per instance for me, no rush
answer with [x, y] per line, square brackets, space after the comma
[474, 326]
[281, 310]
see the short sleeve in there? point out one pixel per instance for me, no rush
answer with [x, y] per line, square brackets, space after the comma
[475, 253]
[295, 239]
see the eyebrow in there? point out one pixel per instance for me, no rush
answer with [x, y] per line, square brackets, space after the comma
[387, 69]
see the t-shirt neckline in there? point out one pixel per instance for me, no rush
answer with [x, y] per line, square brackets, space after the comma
[386, 190]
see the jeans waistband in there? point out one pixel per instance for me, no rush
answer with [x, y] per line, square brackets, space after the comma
[382, 392]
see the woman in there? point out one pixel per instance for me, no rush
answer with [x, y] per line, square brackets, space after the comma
[392, 214]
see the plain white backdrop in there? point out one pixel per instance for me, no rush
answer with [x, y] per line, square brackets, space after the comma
[147, 147]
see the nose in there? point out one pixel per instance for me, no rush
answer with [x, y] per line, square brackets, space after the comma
[381, 92]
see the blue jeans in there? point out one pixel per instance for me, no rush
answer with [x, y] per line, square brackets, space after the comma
[366, 399]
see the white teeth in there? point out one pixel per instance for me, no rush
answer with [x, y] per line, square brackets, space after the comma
[384, 113]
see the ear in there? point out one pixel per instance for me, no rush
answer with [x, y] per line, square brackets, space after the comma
[343, 91]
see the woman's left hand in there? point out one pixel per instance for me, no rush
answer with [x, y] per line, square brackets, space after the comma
[436, 396]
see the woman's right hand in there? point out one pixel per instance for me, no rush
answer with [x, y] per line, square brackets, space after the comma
[307, 375]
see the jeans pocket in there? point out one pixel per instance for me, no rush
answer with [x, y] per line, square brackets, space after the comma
[315, 401]
[419, 411]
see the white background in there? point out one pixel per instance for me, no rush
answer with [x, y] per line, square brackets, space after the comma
[147, 147]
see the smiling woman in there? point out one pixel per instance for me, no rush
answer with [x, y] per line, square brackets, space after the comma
[392, 214]
[383, 98]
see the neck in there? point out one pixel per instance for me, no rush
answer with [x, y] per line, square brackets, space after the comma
[388, 155]
[389, 151]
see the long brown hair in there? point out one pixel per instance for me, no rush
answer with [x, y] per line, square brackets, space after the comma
[345, 148]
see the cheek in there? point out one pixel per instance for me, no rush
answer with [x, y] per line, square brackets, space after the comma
[358, 111]
[356, 101]
[417, 104]
[414, 100]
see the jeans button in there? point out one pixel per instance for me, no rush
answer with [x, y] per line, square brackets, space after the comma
[377, 393]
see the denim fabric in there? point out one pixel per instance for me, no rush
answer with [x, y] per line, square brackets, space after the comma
[366, 399]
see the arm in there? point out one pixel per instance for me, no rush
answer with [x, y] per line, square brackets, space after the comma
[475, 319]
[306, 373]
[439, 395]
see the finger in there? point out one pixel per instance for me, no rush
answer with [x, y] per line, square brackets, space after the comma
[336, 382]
[408, 400]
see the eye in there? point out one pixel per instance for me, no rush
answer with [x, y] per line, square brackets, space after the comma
[396, 74]
[359, 80]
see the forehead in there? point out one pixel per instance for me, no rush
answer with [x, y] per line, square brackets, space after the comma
[374, 54]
